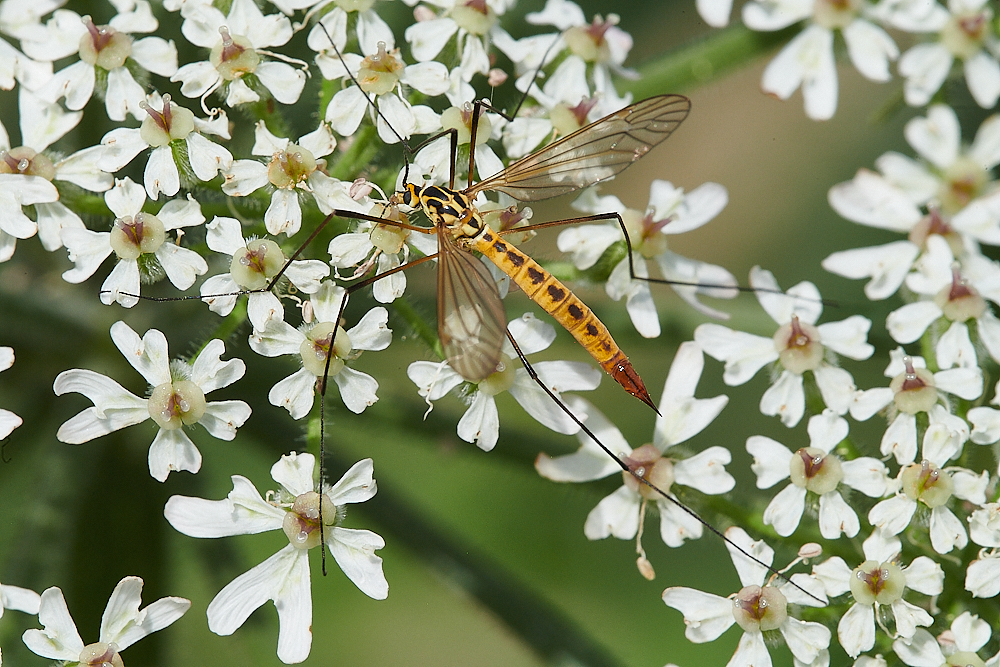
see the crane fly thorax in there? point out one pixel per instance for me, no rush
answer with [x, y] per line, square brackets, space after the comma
[449, 209]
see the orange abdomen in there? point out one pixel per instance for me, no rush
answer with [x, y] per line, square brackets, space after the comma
[567, 309]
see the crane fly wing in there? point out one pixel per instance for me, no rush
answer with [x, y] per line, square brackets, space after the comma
[593, 153]
[471, 319]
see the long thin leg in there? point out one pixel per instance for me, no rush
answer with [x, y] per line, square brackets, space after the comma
[642, 480]
[326, 375]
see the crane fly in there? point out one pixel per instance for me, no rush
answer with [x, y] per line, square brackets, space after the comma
[471, 320]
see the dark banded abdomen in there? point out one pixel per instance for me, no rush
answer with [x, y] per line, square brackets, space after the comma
[558, 301]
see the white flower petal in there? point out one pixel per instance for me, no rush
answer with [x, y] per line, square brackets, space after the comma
[284, 81]
[161, 173]
[870, 49]
[865, 474]
[172, 451]
[785, 510]
[982, 578]
[750, 572]
[356, 486]
[836, 517]
[856, 629]
[181, 265]
[616, 514]
[925, 67]
[900, 439]
[294, 393]
[836, 386]
[284, 578]
[908, 617]
[785, 398]
[965, 383]
[706, 471]
[354, 551]
[908, 323]
[893, 514]
[982, 75]
[806, 60]
[356, 389]
[806, 640]
[120, 147]
[244, 512]
[427, 38]
[706, 616]
[222, 418]
[771, 460]
[481, 422]
[743, 353]
[59, 638]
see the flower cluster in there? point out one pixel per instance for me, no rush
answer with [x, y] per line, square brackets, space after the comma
[308, 151]
[962, 31]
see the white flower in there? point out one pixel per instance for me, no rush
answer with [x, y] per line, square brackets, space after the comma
[601, 44]
[370, 29]
[380, 76]
[176, 399]
[107, 48]
[295, 507]
[8, 420]
[951, 182]
[122, 625]
[964, 32]
[953, 292]
[383, 246]
[294, 170]
[566, 98]
[933, 486]
[252, 271]
[757, 607]
[815, 470]
[163, 130]
[968, 634]
[670, 211]
[139, 242]
[313, 342]
[799, 346]
[681, 417]
[879, 581]
[807, 60]
[41, 125]
[473, 23]
[481, 422]
[912, 390]
[235, 64]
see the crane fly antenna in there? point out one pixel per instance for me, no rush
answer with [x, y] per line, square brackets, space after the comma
[643, 480]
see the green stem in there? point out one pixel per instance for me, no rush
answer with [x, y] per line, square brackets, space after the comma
[704, 60]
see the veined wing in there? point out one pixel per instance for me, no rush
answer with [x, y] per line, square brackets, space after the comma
[472, 324]
[591, 154]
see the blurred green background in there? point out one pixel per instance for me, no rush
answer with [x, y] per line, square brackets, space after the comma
[487, 562]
